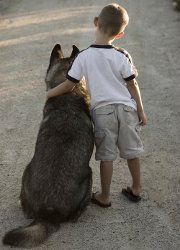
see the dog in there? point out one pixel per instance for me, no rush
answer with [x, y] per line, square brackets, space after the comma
[56, 184]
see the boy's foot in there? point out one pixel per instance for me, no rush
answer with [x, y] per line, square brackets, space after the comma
[129, 194]
[99, 203]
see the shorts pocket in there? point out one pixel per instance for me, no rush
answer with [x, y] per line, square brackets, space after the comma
[105, 110]
[138, 128]
[99, 137]
[102, 117]
[130, 115]
[128, 108]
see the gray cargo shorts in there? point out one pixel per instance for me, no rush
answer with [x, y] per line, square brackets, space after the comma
[116, 126]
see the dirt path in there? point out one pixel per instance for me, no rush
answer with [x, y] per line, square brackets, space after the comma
[28, 31]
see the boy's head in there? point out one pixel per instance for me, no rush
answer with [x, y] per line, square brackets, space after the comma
[112, 20]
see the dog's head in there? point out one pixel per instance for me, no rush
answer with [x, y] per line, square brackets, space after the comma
[56, 72]
[58, 65]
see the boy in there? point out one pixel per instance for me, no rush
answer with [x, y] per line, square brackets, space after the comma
[116, 105]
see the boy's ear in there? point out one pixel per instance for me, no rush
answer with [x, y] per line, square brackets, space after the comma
[119, 35]
[96, 21]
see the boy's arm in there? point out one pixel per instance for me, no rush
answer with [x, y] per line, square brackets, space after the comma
[134, 90]
[62, 88]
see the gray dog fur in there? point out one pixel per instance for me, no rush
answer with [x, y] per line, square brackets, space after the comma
[56, 184]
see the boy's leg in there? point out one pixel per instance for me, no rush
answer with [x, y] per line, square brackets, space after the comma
[106, 170]
[134, 168]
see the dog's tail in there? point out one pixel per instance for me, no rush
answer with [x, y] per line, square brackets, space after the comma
[33, 235]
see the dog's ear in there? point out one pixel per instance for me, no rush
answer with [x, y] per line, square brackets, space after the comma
[75, 51]
[56, 53]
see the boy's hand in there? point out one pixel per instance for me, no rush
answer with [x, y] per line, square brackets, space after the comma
[134, 90]
[48, 94]
[142, 118]
[62, 88]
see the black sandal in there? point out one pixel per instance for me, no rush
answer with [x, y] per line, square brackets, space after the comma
[130, 196]
[99, 203]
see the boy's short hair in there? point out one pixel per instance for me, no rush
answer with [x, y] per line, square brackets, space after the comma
[113, 19]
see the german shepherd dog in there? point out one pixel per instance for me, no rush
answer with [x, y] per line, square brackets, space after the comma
[56, 184]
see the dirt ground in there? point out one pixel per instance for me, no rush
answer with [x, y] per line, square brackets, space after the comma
[28, 32]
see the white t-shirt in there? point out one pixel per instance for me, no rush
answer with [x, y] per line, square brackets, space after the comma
[105, 69]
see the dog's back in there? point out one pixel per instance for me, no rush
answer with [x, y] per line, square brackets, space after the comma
[56, 185]
[60, 166]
